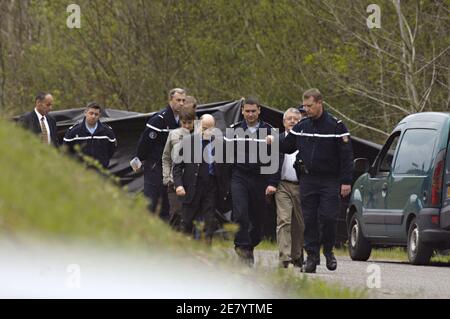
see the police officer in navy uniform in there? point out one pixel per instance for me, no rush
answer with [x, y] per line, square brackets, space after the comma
[151, 146]
[326, 164]
[249, 187]
[96, 139]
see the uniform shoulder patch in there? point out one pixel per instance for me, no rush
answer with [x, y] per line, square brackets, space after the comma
[236, 124]
[76, 124]
[268, 125]
[336, 119]
[156, 121]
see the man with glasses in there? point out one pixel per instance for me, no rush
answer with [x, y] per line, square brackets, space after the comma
[290, 225]
[150, 149]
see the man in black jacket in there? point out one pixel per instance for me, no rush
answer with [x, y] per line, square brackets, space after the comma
[326, 154]
[96, 139]
[251, 181]
[197, 178]
[151, 146]
[39, 122]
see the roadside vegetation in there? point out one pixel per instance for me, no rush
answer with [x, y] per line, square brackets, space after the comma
[394, 253]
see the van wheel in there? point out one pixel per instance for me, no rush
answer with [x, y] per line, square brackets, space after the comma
[358, 246]
[419, 253]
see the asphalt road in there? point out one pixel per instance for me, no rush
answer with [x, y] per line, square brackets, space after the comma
[380, 278]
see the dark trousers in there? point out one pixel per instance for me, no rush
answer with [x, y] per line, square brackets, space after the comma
[249, 207]
[175, 208]
[155, 190]
[320, 202]
[202, 206]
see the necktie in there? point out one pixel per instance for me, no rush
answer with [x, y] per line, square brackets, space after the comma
[44, 134]
[211, 152]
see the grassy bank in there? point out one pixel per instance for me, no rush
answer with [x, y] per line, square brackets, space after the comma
[46, 195]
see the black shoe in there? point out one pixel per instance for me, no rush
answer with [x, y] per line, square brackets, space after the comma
[241, 252]
[251, 257]
[298, 262]
[245, 255]
[284, 264]
[310, 265]
[318, 260]
[331, 261]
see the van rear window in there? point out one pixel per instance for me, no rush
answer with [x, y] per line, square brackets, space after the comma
[415, 152]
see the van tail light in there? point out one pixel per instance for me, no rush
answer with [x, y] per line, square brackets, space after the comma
[436, 184]
[435, 220]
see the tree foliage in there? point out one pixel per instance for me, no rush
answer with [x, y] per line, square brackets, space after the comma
[128, 54]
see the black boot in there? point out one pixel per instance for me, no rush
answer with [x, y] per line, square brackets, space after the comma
[318, 260]
[298, 262]
[310, 265]
[245, 255]
[251, 257]
[331, 261]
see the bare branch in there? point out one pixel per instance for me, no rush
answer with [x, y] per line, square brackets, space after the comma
[365, 94]
[355, 122]
[434, 59]
[427, 93]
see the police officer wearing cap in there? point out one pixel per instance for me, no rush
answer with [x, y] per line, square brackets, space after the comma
[249, 187]
[326, 167]
[95, 139]
[151, 146]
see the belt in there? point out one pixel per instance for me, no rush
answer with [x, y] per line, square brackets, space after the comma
[292, 182]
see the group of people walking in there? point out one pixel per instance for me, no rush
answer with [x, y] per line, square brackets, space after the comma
[313, 153]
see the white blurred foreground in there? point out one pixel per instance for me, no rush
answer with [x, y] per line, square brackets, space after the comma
[57, 271]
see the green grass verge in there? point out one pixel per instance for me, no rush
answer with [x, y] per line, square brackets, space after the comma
[393, 253]
[46, 195]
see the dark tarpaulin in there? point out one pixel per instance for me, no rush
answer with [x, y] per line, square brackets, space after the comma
[128, 126]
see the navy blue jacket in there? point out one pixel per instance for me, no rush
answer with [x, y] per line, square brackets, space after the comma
[252, 144]
[101, 145]
[152, 141]
[324, 147]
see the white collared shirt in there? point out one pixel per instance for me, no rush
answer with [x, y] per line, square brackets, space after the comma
[39, 115]
[288, 171]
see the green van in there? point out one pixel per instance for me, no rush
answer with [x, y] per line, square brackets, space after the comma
[403, 198]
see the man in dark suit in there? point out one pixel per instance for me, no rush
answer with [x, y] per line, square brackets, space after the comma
[39, 122]
[198, 179]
